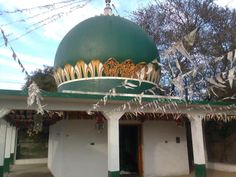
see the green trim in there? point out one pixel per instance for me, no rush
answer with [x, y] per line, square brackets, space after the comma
[103, 85]
[113, 173]
[23, 93]
[211, 103]
[7, 164]
[45, 94]
[200, 170]
[12, 158]
[1, 171]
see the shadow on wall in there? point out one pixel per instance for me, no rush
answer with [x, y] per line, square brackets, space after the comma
[32, 145]
[221, 141]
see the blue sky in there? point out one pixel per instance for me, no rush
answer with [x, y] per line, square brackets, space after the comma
[39, 47]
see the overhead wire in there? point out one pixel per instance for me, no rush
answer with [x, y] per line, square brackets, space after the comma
[37, 15]
[229, 2]
[47, 21]
[58, 15]
[39, 7]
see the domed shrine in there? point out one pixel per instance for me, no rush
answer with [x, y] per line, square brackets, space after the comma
[129, 134]
[102, 52]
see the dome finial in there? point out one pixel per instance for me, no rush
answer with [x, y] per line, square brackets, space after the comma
[108, 10]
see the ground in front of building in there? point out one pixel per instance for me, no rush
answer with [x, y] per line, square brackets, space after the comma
[36, 170]
[41, 170]
[212, 173]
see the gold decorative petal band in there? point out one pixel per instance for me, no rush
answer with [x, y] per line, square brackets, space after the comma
[111, 67]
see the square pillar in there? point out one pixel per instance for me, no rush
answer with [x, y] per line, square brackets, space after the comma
[3, 133]
[8, 149]
[198, 145]
[113, 143]
[13, 145]
[3, 130]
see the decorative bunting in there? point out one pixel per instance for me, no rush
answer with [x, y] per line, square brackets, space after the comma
[35, 97]
[230, 57]
[219, 58]
[180, 47]
[212, 90]
[128, 85]
[219, 79]
[14, 56]
[178, 65]
[231, 76]
[212, 81]
[217, 82]
[190, 38]
[35, 94]
[4, 37]
[33, 90]
[179, 84]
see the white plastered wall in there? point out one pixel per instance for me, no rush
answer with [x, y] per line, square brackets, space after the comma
[76, 149]
[55, 149]
[162, 156]
[71, 154]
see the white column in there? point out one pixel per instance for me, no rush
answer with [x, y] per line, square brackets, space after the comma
[13, 144]
[198, 145]
[3, 130]
[8, 148]
[113, 143]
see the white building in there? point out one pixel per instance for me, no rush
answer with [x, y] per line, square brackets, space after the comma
[112, 124]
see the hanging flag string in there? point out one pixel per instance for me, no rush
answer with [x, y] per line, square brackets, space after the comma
[177, 81]
[34, 93]
[215, 82]
[179, 46]
[14, 55]
[4, 37]
[55, 14]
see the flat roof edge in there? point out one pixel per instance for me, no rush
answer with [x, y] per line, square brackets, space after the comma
[24, 93]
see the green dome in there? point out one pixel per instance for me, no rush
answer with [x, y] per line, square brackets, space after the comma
[105, 52]
[104, 37]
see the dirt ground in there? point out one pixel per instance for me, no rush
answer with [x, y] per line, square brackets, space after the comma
[41, 170]
[36, 170]
[212, 173]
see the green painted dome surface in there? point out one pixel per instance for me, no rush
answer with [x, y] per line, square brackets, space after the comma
[103, 37]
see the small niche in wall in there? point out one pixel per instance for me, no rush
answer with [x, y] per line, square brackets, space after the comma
[177, 139]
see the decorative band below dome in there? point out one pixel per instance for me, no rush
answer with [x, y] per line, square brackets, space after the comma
[111, 68]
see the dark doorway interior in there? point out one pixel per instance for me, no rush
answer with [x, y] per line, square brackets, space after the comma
[221, 141]
[129, 150]
[31, 145]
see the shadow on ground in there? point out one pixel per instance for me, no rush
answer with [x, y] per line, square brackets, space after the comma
[33, 174]
[41, 170]
[36, 170]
